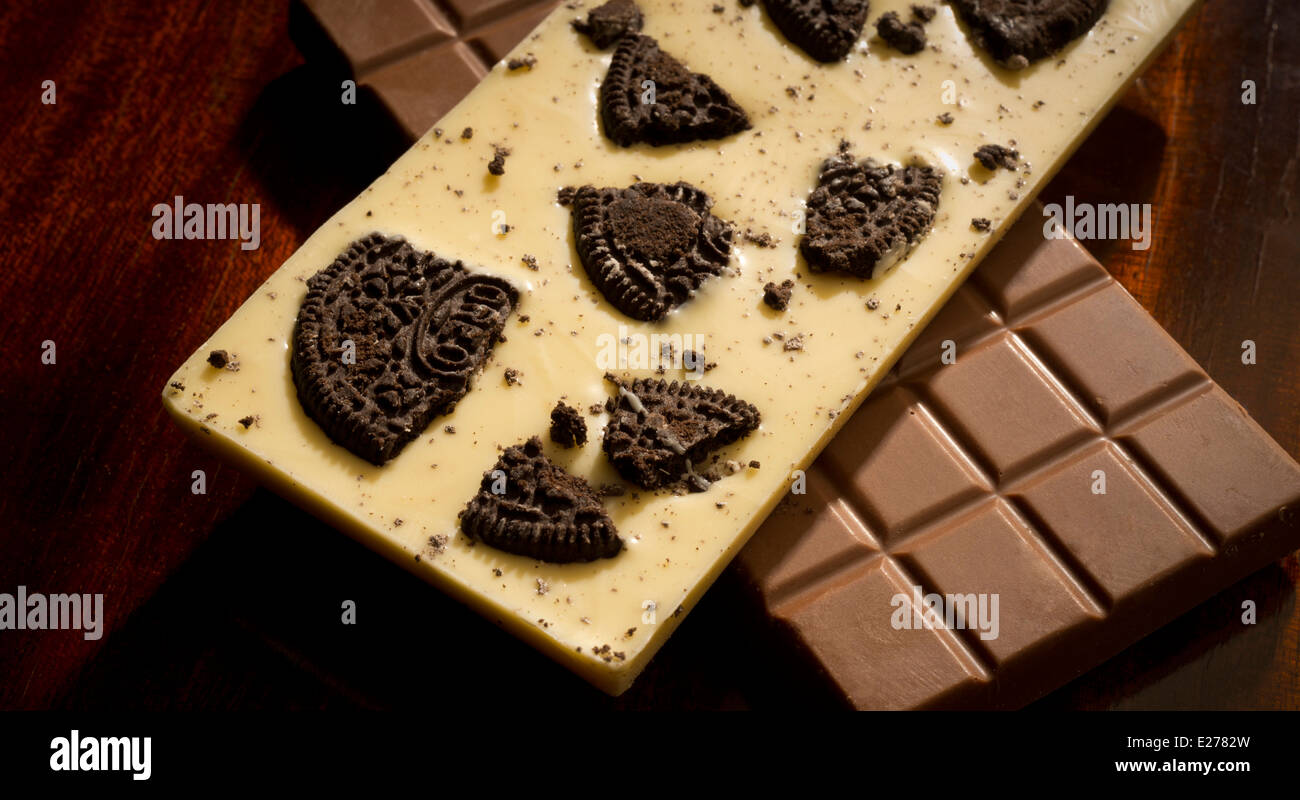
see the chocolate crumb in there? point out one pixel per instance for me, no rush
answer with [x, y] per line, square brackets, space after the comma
[873, 303]
[568, 429]
[992, 156]
[496, 572]
[438, 543]
[542, 586]
[778, 297]
[219, 358]
[610, 490]
[754, 465]
[177, 385]
[467, 134]
[945, 118]
[565, 195]
[527, 62]
[498, 164]
[794, 343]
[759, 239]
[923, 13]
[608, 23]
[512, 376]
[595, 408]
[981, 224]
[906, 37]
[530, 262]
[449, 428]
[248, 421]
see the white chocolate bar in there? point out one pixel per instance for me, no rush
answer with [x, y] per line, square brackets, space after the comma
[883, 103]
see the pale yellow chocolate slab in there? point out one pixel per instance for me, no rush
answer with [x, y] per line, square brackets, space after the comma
[440, 196]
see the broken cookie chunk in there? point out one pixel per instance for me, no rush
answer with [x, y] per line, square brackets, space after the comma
[679, 105]
[864, 217]
[659, 430]
[568, 428]
[389, 337]
[530, 506]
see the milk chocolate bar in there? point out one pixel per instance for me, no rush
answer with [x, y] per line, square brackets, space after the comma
[1045, 468]
[417, 58]
[483, 194]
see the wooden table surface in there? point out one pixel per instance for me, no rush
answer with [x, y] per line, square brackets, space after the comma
[231, 599]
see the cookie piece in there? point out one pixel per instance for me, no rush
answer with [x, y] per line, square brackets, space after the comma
[610, 22]
[1017, 32]
[568, 428]
[658, 430]
[907, 38]
[530, 506]
[686, 106]
[389, 337]
[648, 247]
[864, 217]
[992, 156]
[824, 29]
[778, 297]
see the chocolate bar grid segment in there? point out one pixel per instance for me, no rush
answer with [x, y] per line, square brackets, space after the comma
[417, 58]
[955, 495]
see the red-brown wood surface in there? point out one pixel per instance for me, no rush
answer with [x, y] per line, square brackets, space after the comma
[232, 599]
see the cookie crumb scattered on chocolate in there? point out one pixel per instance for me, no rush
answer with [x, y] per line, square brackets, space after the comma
[527, 62]
[778, 297]
[905, 37]
[992, 156]
[568, 428]
[498, 164]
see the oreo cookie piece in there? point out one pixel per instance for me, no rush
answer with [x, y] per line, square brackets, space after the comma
[1017, 32]
[648, 247]
[568, 428]
[610, 22]
[388, 338]
[864, 217]
[907, 38]
[658, 430]
[824, 29]
[530, 506]
[992, 156]
[682, 106]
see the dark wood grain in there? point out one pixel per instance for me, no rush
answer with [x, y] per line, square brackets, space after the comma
[231, 600]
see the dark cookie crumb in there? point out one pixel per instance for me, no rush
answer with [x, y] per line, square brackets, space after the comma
[778, 297]
[923, 13]
[219, 358]
[611, 490]
[992, 156]
[793, 343]
[468, 133]
[248, 421]
[906, 37]
[450, 429]
[498, 164]
[981, 224]
[763, 239]
[512, 376]
[945, 118]
[595, 408]
[438, 543]
[177, 385]
[565, 195]
[568, 429]
[755, 465]
[527, 62]
[530, 262]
